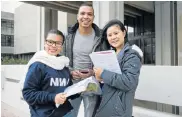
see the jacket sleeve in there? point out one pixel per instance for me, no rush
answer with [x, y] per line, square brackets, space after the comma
[128, 80]
[32, 87]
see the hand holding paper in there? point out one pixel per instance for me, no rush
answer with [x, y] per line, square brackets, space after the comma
[60, 98]
[86, 86]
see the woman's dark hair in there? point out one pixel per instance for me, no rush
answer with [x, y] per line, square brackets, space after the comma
[57, 32]
[111, 23]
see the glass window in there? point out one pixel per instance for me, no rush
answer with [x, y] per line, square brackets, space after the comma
[12, 25]
[3, 23]
[12, 41]
[7, 40]
[3, 40]
[7, 26]
[2, 37]
[130, 29]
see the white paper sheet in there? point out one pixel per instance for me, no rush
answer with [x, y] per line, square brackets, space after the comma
[81, 87]
[106, 60]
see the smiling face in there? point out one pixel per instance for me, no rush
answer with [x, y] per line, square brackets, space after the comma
[53, 44]
[115, 36]
[85, 16]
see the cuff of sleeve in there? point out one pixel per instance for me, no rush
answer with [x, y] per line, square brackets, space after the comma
[52, 97]
[103, 74]
[106, 76]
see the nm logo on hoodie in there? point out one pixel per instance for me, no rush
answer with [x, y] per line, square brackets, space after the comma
[59, 82]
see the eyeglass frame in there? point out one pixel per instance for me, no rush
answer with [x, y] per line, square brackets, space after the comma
[51, 42]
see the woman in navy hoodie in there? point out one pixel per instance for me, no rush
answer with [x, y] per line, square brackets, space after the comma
[46, 79]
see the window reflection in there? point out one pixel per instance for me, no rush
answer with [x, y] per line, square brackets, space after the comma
[142, 35]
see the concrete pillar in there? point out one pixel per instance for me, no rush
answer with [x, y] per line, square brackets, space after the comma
[165, 33]
[162, 37]
[179, 38]
[66, 20]
[162, 31]
[166, 39]
[179, 30]
[48, 21]
[106, 10]
[62, 21]
[54, 18]
[42, 27]
[71, 19]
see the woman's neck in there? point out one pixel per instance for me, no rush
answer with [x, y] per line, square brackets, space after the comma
[119, 49]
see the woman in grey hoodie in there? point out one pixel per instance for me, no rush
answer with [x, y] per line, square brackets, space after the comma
[119, 89]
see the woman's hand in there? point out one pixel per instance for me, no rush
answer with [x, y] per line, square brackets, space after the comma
[60, 98]
[98, 72]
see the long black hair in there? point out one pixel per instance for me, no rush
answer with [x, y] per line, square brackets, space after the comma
[111, 23]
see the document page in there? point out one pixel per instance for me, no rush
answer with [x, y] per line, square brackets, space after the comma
[106, 60]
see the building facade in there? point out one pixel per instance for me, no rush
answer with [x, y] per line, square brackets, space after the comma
[7, 34]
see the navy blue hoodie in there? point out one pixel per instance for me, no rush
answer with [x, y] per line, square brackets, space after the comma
[41, 85]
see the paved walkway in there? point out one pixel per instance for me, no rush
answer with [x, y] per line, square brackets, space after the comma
[9, 111]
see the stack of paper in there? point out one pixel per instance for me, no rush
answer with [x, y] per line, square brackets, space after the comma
[106, 60]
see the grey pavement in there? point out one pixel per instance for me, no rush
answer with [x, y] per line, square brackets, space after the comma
[9, 111]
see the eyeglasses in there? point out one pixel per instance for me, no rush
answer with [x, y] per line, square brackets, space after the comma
[56, 43]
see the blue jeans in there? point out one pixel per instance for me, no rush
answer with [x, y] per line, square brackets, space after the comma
[89, 105]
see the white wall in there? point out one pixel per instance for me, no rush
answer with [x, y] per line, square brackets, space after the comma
[15, 72]
[27, 26]
[10, 92]
[9, 50]
[157, 83]
[160, 84]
